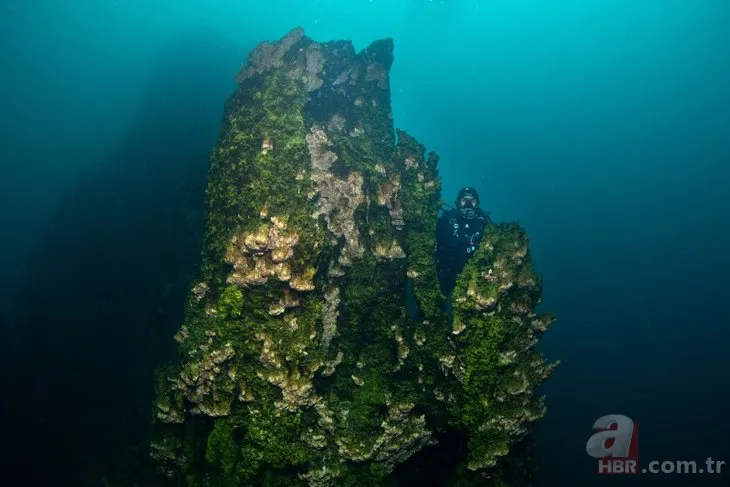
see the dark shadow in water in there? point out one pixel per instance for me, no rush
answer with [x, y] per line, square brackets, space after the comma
[105, 288]
[443, 464]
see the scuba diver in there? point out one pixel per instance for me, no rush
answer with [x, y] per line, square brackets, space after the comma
[458, 233]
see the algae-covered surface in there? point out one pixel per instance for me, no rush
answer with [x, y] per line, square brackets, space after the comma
[300, 363]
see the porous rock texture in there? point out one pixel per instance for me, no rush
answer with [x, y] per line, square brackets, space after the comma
[300, 364]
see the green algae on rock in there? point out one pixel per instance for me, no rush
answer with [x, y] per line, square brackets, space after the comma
[300, 364]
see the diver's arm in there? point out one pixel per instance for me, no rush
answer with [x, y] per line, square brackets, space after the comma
[486, 218]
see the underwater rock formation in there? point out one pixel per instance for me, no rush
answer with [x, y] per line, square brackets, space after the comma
[300, 364]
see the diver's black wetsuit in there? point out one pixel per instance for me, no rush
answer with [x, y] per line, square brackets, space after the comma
[457, 238]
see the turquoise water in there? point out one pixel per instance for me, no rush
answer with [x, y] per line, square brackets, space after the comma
[603, 127]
